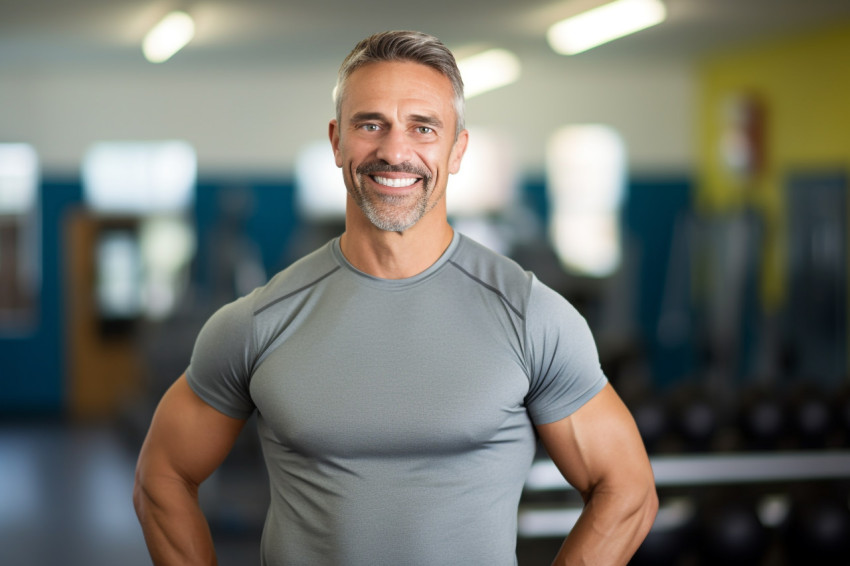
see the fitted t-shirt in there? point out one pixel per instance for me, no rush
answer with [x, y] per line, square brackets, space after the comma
[397, 416]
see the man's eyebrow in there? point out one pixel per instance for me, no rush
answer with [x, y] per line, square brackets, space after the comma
[368, 117]
[426, 120]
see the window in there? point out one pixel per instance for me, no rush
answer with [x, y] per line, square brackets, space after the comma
[137, 194]
[586, 178]
[139, 177]
[20, 244]
[319, 191]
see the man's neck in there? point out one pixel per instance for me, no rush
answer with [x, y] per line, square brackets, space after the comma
[396, 255]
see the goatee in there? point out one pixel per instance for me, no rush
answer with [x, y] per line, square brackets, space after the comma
[392, 213]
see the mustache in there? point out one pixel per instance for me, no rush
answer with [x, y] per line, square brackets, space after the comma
[382, 167]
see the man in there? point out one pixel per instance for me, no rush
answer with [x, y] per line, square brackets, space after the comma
[401, 373]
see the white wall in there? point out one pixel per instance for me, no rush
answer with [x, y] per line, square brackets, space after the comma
[252, 120]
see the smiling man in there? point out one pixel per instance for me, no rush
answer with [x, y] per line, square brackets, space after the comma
[401, 374]
[395, 150]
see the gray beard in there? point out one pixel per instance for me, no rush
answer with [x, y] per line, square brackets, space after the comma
[393, 214]
[387, 212]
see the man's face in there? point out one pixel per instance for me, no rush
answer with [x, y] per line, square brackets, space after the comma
[395, 141]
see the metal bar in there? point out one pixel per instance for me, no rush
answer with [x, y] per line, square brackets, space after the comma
[717, 469]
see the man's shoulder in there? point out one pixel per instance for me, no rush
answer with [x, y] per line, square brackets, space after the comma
[493, 270]
[298, 276]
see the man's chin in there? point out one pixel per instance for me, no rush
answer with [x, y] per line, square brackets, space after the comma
[391, 213]
[392, 224]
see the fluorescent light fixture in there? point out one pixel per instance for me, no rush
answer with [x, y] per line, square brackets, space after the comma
[603, 24]
[168, 37]
[488, 70]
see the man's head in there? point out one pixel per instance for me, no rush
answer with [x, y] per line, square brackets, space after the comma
[412, 46]
[396, 134]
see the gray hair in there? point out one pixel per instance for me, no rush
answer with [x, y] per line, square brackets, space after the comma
[411, 46]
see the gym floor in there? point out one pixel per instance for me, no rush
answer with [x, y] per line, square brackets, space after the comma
[66, 498]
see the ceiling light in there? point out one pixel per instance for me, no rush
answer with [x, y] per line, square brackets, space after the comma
[603, 24]
[488, 70]
[168, 37]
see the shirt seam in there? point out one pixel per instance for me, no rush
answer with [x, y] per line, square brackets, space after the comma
[296, 291]
[491, 288]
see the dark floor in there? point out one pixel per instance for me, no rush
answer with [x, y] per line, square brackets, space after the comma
[65, 499]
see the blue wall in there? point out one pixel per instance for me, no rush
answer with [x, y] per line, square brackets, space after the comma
[31, 365]
[650, 216]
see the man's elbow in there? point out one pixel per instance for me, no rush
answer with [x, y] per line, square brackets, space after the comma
[639, 506]
[644, 495]
[147, 495]
[648, 509]
[139, 497]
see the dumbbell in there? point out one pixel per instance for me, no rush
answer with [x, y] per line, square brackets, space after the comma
[698, 423]
[819, 530]
[812, 419]
[731, 533]
[763, 420]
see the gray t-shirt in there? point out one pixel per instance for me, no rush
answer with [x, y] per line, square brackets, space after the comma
[396, 416]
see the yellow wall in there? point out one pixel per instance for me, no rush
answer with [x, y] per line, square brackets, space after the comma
[804, 83]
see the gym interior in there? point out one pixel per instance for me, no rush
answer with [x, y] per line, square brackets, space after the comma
[685, 187]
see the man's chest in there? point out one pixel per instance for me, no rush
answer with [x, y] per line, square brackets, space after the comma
[392, 379]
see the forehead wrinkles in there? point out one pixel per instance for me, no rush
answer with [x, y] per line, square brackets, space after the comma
[410, 90]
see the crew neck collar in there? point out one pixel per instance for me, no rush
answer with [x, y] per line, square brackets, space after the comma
[432, 269]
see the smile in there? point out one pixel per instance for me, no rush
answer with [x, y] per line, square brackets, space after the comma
[397, 183]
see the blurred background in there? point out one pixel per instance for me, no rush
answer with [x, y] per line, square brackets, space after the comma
[685, 186]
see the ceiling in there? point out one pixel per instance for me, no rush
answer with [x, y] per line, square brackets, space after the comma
[296, 33]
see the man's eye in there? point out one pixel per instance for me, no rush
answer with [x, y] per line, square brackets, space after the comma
[424, 130]
[370, 127]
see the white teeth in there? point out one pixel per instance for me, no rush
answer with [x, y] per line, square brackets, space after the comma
[404, 182]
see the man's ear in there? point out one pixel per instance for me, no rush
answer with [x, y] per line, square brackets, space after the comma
[458, 149]
[333, 134]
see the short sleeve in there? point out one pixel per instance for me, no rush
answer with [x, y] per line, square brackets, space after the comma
[564, 362]
[220, 367]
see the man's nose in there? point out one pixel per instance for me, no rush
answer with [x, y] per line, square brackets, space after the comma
[394, 147]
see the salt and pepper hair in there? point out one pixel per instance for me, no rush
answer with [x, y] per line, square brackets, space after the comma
[410, 46]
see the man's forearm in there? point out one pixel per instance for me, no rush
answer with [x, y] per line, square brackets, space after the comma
[176, 531]
[610, 529]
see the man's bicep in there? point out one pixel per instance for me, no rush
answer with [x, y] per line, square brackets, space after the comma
[187, 437]
[599, 442]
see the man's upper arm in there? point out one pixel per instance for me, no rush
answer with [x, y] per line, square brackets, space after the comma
[188, 439]
[598, 445]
